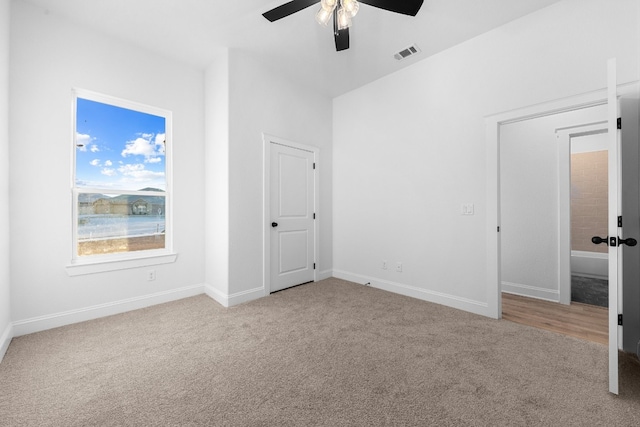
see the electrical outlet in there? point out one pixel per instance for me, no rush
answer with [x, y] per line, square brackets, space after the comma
[383, 265]
[151, 275]
[399, 267]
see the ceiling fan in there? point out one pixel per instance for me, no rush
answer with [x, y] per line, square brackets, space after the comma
[342, 11]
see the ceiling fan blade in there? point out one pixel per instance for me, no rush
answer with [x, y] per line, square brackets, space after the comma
[287, 9]
[406, 7]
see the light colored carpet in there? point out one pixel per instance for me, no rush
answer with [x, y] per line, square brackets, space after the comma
[330, 353]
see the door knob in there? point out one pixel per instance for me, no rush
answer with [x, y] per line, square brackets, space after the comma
[597, 240]
[629, 242]
[274, 224]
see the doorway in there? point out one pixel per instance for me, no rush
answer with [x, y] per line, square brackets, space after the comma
[535, 203]
[627, 94]
[539, 234]
[583, 166]
[290, 220]
[578, 152]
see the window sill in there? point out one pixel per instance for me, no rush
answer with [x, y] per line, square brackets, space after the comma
[79, 268]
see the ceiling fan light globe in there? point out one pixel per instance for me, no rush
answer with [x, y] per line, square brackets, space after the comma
[344, 19]
[329, 5]
[350, 6]
[323, 16]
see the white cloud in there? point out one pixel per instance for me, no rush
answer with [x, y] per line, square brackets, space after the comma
[108, 172]
[128, 169]
[138, 172]
[153, 160]
[108, 163]
[145, 175]
[82, 140]
[160, 142]
[146, 145]
[95, 162]
[94, 148]
[139, 147]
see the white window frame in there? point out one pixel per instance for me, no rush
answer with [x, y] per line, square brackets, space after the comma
[89, 264]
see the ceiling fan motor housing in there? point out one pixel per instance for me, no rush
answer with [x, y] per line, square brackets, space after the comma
[342, 17]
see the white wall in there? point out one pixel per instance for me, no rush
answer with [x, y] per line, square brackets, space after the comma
[589, 143]
[5, 306]
[409, 149]
[261, 100]
[530, 201]
[245, 99]
[50, 56]
[217, 177]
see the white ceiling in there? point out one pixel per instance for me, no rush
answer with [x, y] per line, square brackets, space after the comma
[192, 30]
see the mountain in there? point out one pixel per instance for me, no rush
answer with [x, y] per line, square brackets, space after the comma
[92, 197]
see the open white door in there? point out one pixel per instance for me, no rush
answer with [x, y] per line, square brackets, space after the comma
[615, 278]
[623, 221]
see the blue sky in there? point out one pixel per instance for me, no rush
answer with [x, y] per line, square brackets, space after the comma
[117, 148]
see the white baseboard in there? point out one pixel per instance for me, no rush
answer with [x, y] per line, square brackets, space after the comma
[476, 307]
[233, 299]
[5, 340]
[42, 323]
[226, 300]
[322, 275]
[216, 295]
[245, 296]
[531, 291]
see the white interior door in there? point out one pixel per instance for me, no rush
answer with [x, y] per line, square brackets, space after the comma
[292, 216]
[630, 191]
[615, 268]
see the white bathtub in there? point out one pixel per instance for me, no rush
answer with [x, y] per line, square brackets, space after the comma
[590, 264]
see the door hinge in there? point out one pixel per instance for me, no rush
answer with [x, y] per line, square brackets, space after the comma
[314, 215]
[619, 221]
[619, 122]
[619, 319]
[498, 229]
[314, 165]
[314, 265]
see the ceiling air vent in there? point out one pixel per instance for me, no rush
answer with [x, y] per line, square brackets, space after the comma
[405, 53]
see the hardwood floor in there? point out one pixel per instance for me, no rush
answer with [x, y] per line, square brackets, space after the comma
[578, 320]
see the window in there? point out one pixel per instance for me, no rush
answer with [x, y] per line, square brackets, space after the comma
[121, 180]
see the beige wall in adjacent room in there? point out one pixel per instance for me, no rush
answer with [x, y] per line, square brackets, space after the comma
[589, 198]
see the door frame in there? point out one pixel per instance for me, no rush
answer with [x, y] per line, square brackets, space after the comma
[492, 140]
[492, 136]
[267, 140]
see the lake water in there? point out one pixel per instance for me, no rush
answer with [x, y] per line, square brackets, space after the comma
[109, 226]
